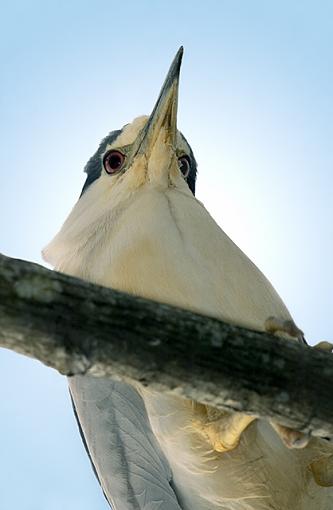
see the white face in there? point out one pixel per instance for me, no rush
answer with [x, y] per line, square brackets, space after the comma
[161, 163]
[119, 183]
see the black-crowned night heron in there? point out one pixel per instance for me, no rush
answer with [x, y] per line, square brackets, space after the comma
[138, 227]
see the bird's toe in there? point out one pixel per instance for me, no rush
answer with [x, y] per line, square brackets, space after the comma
[322, 471]
[324, 346]
[223, 430]
[275, 325]
[291, 438]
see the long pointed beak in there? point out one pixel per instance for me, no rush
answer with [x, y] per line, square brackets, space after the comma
[164, 114]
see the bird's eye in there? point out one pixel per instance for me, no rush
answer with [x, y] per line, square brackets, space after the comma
[113, 161]
[184, 166]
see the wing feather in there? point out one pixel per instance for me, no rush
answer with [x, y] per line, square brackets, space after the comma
[127, 460]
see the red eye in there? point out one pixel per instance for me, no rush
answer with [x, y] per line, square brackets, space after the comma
[113, 161]
[184, 166]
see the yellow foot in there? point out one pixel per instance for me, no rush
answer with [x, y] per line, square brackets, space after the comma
[274, 325]
[290, 437]
[324, 346]
[222, 428]
[322, 471]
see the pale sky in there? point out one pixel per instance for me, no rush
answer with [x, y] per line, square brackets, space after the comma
[255, 105]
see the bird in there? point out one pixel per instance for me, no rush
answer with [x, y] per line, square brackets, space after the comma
[138, 227]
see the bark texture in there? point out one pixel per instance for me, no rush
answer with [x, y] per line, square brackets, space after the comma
[80, 328]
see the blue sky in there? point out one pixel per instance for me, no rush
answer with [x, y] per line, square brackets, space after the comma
[256, 106]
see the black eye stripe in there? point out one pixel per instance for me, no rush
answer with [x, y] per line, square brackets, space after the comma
[94, 167]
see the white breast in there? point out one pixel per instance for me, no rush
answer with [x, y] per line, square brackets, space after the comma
[163, 244]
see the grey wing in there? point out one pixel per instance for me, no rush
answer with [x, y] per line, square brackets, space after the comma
[127, 460]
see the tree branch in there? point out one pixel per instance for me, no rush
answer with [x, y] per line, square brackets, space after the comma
[80, 328]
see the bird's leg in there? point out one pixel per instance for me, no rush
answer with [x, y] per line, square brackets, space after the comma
[291, 438]
[322, 468]
[222, 428]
